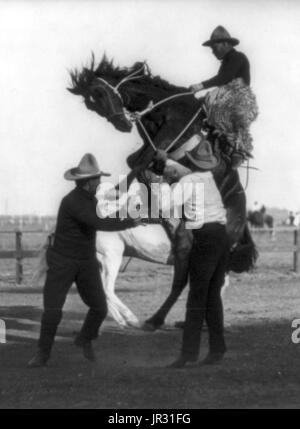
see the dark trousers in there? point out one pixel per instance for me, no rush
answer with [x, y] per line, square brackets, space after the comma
[207, 268]
[62, 273]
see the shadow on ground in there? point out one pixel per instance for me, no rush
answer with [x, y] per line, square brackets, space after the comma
[261, 368]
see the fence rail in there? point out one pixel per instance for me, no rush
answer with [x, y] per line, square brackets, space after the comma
[19, 253]
[293, 247]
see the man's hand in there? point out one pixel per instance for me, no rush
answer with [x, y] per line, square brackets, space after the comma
[160, 155]
[197, 87]
[138, 222]
[171, 175]
[134, 116]
[159, 162]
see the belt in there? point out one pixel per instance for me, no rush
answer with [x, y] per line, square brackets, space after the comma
[209, 224]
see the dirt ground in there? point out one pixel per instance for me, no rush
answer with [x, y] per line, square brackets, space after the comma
[261, 368]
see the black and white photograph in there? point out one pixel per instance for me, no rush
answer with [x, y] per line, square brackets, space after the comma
[150, 207]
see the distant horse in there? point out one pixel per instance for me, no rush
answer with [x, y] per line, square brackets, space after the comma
[260, 219]
[118, 94]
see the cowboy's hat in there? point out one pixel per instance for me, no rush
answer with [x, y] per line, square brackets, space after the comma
[220, 35]
[87, 168]
[202, 156]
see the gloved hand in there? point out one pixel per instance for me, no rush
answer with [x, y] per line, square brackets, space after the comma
[159, 162]
[195, 88]
[138, 222]
[133, 223]
[160, 155]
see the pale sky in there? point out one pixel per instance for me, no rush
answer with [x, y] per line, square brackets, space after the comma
[45, 130]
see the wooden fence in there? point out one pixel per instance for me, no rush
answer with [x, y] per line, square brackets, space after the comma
[293, 246]
[19, 253]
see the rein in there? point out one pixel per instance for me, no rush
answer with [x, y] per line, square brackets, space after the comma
[132, 76]
[146, 134]
[247, 175]
[138, 120]
[153, 106]
[184, 130]
[138, 115]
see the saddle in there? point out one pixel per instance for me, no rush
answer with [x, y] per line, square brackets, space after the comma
[230, 109]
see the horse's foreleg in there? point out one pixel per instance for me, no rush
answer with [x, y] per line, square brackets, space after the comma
[179, 282]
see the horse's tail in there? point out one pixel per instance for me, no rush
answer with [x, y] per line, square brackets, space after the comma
[244, 255]
[39, 273]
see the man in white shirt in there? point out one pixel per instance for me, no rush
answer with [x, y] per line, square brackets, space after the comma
[205, 215]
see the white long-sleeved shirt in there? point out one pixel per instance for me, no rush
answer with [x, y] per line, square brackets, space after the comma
[195, 197]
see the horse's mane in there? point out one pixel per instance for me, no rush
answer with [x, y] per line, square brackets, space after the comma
[82, 79]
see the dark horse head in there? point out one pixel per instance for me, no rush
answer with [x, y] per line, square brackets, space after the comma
[114, 93]
[100, 96]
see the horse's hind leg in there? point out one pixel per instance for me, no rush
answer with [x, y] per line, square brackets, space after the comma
[111, 261]
[182, 250]
[107, 268]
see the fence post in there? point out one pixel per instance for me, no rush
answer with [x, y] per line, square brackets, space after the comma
[19, 257]
[296, 250]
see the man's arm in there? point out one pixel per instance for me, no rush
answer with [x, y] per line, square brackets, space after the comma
[86, 215]
[227, 72]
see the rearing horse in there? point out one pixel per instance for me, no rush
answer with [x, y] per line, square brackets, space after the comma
[117, 94]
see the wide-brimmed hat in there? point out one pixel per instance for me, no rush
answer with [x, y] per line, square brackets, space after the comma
[221, 35]
[87, 168]
[202, 156]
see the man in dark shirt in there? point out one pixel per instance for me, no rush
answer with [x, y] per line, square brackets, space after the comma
[234, 64]
[72, 258]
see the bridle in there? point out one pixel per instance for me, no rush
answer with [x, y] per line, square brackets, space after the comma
[109, 89]
[137, 116]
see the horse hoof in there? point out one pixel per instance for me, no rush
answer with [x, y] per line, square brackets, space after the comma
[146, 326]
[136, 324]
[179, 324]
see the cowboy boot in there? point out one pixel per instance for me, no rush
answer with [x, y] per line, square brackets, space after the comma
[39, 360]
[86, 346]
[212, 359]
